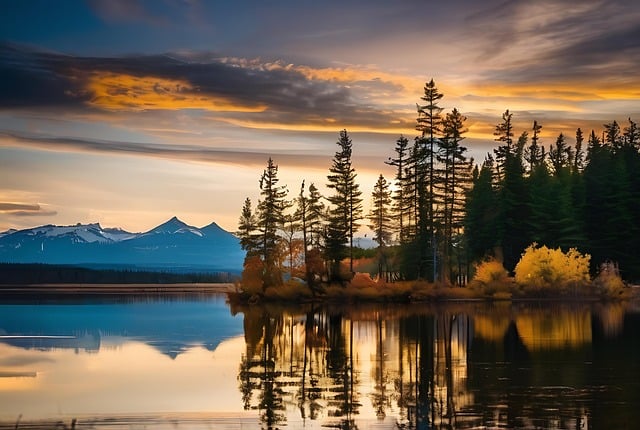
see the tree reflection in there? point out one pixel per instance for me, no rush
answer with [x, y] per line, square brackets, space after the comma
[420, 367]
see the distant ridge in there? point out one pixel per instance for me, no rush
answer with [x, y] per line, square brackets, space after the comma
[171, 246]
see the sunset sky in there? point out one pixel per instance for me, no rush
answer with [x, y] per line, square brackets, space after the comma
[129, 112]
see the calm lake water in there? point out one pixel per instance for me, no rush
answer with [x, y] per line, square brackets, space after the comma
[194, 362]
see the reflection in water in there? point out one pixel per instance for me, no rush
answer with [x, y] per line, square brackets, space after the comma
[448, 367]
[451, 366]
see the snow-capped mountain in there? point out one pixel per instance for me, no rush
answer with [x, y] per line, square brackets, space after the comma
[173, 245]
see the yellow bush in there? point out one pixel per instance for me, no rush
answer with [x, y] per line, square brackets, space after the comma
[551, 268]
[490, 271]
[609, 281]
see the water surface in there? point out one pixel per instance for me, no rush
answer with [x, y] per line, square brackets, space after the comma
[194, 362]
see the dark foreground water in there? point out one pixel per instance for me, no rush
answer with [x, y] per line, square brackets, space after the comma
[189, 363]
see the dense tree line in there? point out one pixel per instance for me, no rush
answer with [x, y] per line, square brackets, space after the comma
[24, 274]
[562, 197]
[445, 212]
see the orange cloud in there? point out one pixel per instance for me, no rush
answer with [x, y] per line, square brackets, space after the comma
[119, 91]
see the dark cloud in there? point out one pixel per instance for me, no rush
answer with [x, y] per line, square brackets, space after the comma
[36, 79]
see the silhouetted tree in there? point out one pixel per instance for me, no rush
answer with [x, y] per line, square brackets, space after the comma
[402, 195]
[454, 181]
[534, 154]
[247, 229]
[270, 220]
[347, 206]
[481, 216]
[428, 124]
[379, 215]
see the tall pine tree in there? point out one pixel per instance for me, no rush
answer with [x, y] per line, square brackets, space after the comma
[346, 208]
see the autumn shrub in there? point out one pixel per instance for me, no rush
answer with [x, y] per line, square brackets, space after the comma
[490, 278]
[252, 274]
[551, 269]
[292, 290]
[609, 282]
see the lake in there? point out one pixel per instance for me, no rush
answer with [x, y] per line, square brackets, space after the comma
[196, 362]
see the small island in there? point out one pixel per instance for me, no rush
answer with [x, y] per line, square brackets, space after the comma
[529, 222]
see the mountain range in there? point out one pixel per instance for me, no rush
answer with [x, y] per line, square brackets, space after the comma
[172, 246]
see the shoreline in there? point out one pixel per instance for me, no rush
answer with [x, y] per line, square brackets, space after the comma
[117, 289]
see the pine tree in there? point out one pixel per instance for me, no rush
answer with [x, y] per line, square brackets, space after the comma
[309, 214]
[513, 194]
[504, 134]
[608, 222]
[247, 230]
[481, 216]
[346, 208]
[612, 135]
[315, 218]
[379, 215]
[402, 195]
[271, 218]
[560, 155]
[429, 124]
[631, 135]
[578, 153]
[534, 154]
[454, 181]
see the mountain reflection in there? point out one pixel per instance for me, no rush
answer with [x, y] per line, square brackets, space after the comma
[172, 326]
[417, 367]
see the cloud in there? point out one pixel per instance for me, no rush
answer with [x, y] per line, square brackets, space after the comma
[587, 43]
[172, 152]
[262, 92]
[24, 209]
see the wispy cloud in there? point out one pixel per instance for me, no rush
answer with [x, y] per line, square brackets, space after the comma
[24, 209]
[164, 151]
[552, 41]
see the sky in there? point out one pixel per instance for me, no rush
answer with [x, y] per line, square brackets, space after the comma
[128, 112]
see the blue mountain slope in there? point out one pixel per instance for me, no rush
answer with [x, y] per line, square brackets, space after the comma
[172, 245]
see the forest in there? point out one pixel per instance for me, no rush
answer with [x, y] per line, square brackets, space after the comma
[443, 213]
[34, 273]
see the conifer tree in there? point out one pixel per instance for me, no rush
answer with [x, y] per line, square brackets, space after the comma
[380, 219]
[315, 217]
[578, 153]
[560, 155]
[534, 154]
[346, 208]
[481, 216]
[429, 125]
[379, 215]
[247, 230]
[271, 219]
[513, 194]
[454, 181]
[402, 195]
[504, 135]
[309, 213]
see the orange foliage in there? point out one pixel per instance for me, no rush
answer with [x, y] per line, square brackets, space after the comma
[252, 274]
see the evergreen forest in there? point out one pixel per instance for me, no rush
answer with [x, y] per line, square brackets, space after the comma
[443, 212]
